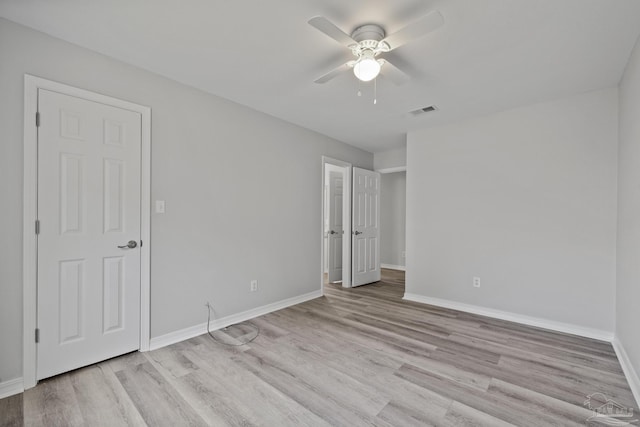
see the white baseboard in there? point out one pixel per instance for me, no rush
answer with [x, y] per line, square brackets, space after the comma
[628, 369]
[194, 331]
[552, 325]
[11, 387]
[393, 267]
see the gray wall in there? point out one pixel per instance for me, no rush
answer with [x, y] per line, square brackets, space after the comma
[243, 190]
[393, 209]
[390, 159]
[524, 199]
[628, 250]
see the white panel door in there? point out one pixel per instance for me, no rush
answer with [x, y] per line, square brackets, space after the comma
[365, 227]
[88, 206]
[335, 233]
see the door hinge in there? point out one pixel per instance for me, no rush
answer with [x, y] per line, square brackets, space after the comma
[37, 335]
[140, 243]
[37, 118]
[37, 226]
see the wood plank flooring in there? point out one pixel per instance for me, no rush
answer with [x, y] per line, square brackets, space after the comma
[355, 357]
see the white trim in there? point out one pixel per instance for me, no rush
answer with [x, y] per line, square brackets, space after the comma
[392, 170]
[628, 369]
[346, 221]
[11, 387]
[145, 232]
[394, 267]
[29, 240]
[537, 322]
[194, 331]
[29, 263]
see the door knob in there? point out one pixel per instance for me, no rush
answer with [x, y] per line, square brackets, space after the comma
[357, 232]
[333, 232]
[132, 244]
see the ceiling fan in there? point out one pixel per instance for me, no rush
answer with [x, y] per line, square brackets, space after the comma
[368, 41]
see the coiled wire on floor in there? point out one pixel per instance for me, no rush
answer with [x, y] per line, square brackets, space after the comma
[226, 329]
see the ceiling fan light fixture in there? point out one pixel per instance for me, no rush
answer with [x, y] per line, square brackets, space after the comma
[367, 67]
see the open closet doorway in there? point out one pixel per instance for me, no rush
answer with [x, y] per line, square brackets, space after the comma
[336, 222]
[393, 215]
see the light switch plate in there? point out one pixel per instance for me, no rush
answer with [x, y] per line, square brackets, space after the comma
[159, 206]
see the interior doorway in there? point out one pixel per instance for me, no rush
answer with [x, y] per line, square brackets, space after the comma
[336, 222]
[393, 220]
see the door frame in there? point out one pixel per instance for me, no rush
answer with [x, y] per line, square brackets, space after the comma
[30, 204]
[346, 221]
[333, 172]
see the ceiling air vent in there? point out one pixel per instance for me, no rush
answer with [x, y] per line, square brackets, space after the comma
[423, 110]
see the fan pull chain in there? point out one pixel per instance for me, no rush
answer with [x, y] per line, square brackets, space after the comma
[375, 91]
[359, 86]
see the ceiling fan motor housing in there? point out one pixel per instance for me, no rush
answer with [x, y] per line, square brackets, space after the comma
[368, 32]
[369, 39]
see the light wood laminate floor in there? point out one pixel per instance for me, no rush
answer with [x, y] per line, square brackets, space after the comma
[354, 357]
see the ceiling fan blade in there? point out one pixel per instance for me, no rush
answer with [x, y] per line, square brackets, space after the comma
[430, 22]
[327, 27]
[393, 73]
[333, 73]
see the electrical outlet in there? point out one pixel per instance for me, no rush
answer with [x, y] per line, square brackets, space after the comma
[476, 282]
[254, 285]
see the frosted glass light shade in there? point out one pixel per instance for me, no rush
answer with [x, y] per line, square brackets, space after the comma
[366, 69]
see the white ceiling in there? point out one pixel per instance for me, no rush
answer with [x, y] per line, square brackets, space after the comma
[489, 55]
